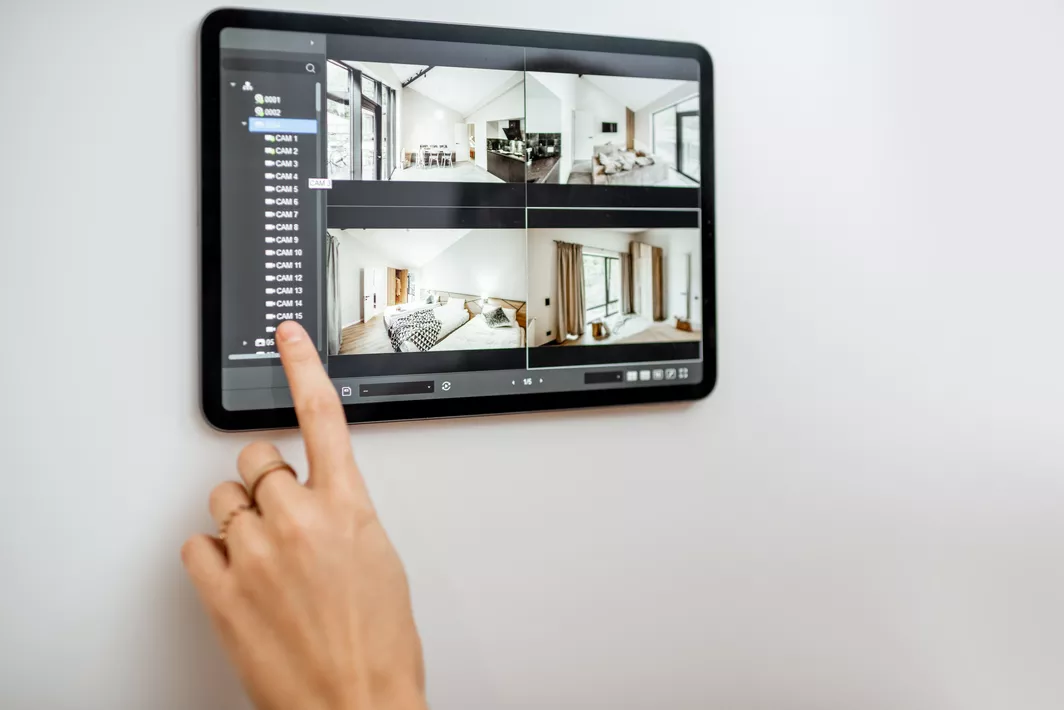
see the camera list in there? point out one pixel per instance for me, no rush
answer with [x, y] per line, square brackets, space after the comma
[272, 218]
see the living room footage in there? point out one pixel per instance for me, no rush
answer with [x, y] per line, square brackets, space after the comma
[420, 125]
[418, 300]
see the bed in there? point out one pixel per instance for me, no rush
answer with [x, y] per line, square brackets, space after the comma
[404, 308]
[449, 317]
[631, 329]
[476, 334]
[627, 325]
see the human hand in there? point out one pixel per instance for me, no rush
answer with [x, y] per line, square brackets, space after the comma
[307, 593]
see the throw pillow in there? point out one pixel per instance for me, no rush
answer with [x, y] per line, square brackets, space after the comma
[496, 318]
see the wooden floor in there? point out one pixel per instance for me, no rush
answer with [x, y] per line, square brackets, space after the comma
[368, 337]
[656, 333]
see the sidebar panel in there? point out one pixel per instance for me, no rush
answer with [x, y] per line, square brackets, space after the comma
[273, 136]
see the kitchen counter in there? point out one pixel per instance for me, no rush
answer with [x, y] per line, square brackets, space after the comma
[511, 156]
[506, 166]
[542, 170]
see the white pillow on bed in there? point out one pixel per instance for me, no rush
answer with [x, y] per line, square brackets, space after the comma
[511, 314]
[455, 304]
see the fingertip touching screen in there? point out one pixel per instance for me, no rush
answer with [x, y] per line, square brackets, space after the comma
[459, 221]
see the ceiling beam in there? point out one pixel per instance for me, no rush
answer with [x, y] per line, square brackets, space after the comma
[417, 76]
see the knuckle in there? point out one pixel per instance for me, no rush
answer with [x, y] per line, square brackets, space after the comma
[256, 558]
[319, 402]
[254, 451]
[302, 353]
[297, 526]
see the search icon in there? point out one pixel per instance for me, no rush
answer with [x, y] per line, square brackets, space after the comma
[310, 68]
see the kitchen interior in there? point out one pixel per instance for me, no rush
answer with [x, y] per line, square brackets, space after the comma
[544, 153]
[514, 159]
[506, 149]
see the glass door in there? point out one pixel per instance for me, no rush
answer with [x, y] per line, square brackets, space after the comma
[370, 142]
[602, 286]
[338, 125]
[665, 136]
[689, 151]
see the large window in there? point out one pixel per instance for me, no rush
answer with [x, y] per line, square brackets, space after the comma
[338, 125]
[676, 137]
[361, 124]
[369, 88]
[602, 286]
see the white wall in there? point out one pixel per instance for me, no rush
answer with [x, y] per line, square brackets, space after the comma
[543, 270]
[865, 514]
[602, 108]
[509, 104]
[644, 116]
[485, 262]
[426, 122]
[564, 87]
[355, 266]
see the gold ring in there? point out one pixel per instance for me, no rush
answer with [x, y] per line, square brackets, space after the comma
[223, 529]
[264, 471]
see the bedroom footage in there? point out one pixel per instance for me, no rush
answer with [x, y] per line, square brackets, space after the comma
[425, 290]
[590, 287]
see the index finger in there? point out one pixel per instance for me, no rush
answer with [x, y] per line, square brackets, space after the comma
[321, 416]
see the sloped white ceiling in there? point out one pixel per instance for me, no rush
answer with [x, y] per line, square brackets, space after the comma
[458, 88]
[407, 248]
[635, 92]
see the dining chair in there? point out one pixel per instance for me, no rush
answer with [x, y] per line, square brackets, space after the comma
[420, 160]
[447, 156]
[434, 155]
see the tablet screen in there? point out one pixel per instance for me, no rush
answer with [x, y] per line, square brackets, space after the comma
[458, 220]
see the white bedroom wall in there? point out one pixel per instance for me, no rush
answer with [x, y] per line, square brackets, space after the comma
[425, 121]
[543, 273]
[355, 264]
[643, 115]
[350, 281]
[485, 262]
[602, 107]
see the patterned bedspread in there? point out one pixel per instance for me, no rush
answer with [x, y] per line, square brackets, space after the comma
[422, 328]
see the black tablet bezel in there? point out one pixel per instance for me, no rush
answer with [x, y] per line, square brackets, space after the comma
[210, 217]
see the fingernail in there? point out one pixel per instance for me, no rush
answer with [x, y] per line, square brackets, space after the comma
[290, 332]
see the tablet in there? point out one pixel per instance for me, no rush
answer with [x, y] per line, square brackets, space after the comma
[467, 220]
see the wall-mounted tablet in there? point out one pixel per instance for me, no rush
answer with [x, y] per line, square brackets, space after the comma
[467, 220]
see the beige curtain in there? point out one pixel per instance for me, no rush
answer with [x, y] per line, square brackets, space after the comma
[658, 283]
[626, 284]
[642, 267]
[571, 313]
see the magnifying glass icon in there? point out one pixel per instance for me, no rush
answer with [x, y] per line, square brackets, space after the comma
[311, 69]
